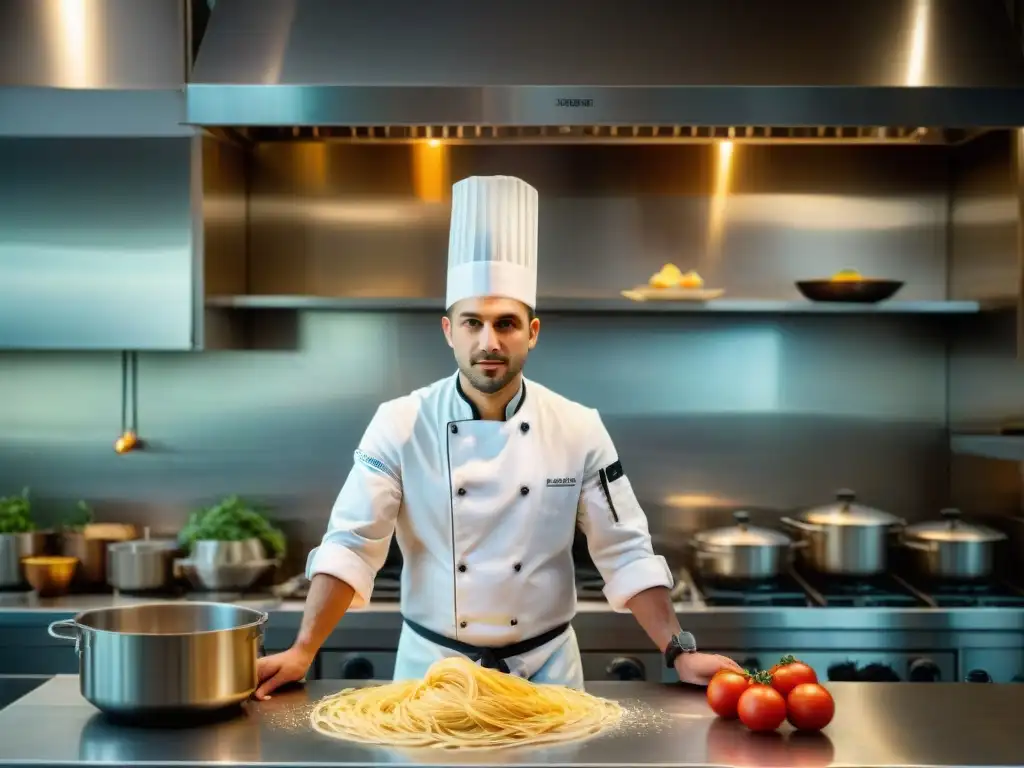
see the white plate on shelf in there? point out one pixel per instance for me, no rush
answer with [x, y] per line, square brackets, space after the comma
[647, 293]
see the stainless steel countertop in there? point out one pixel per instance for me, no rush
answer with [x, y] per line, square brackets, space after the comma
[876, 724]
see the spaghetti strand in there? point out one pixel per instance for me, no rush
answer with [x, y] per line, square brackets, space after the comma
[461, 704]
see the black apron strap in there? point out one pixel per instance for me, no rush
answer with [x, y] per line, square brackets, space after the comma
[491, 658]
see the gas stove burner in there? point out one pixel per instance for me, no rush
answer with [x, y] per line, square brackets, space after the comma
[885, 591]
[781, 591]
[981, 594]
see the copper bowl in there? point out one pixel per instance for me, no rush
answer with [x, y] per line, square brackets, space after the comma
[50, 575]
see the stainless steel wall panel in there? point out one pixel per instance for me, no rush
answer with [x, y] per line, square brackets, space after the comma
[92, 44]
[343, 220]
[100, 68]
[96, 244]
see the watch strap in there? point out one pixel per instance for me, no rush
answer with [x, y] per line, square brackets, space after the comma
[677, 646]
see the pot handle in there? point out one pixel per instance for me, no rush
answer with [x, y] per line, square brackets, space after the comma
[800, 525]
[66, 624]
[259, 628]
[920, 546]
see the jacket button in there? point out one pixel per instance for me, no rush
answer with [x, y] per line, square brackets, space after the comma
[462, 567]
[461, 491]
[524, 490]
[518, 567]
[462, 624]
[455, 429]
[514, 622]
[524, 427]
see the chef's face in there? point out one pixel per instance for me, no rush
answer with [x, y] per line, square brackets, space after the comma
[491, 337]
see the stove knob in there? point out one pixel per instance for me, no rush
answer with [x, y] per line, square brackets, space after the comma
[878, 673]
[625, 668]
[845, 672]
[924, 671]
[752, 664]
[978, 676]
[357, 669]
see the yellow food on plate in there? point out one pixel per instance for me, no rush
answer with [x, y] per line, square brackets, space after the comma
[667, 277]
[847, 276]
[691, 280]
[461, 704]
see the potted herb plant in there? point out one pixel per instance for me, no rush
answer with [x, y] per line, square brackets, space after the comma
[19, 538]
[231, 532]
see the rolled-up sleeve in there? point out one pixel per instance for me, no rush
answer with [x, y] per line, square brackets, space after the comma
[362, 521]
[616, 527]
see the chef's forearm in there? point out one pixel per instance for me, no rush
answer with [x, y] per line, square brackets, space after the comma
[653, 610]
[326, 603]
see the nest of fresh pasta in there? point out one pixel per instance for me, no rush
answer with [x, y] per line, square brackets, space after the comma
[461, 704]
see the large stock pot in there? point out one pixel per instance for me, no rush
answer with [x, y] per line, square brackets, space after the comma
[152, 659]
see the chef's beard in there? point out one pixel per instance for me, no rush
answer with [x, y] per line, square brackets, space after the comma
[489, 384]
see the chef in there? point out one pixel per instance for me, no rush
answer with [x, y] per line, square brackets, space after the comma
[484, 477]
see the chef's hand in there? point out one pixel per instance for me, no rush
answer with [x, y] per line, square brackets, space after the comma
[699, 668]
[279, 669]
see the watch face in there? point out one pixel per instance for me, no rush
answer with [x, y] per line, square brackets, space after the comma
[686, 642]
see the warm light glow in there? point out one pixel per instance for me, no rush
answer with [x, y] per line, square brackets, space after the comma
[719, 198]
[918, 50]
[696, 501]
[431, 180]
[74, 44]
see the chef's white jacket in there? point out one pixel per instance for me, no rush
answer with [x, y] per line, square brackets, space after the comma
[485, 513]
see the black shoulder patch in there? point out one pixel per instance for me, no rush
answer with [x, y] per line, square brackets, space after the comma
[614, 472]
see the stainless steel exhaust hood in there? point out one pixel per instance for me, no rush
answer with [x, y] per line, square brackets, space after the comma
[93, 68]
[938, 63]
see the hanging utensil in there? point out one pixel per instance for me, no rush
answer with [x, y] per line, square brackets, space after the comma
[129, 439]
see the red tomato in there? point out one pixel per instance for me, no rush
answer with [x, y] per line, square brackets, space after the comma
[786, 677]
[761, 708]
[810, 707]
[724, 691]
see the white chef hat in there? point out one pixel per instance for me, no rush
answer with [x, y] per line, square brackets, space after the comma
[492, 245]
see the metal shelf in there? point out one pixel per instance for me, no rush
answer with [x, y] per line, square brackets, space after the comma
[1005, 447]
[612, 304]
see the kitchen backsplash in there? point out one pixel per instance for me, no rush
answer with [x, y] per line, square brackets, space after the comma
[709, 412]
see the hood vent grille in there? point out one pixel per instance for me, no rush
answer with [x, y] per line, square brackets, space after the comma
[606, 134]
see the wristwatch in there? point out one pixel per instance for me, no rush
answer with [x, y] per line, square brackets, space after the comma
[677, 646]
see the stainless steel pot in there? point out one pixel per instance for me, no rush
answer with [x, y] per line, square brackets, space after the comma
[209, 552]
[138, 566]
[952, 549]
[846, 538]
[14, 547]
[742, 551]
[89, 546]
[161, 659]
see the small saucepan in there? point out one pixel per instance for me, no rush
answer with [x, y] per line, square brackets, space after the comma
[951, 549]
[742, 552]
